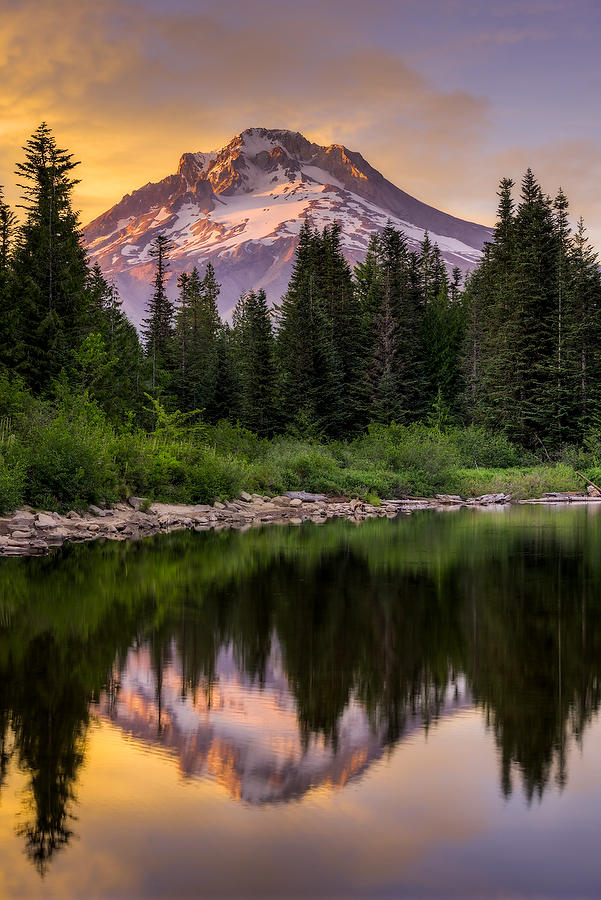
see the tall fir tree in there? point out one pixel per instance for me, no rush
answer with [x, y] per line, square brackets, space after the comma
[391, 300]
[49, 263]
[310, 376]
[255, 356]
[8, 222]
[584, 333]
[158, 326]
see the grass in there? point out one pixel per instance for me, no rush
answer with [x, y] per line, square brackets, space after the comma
[66, 454]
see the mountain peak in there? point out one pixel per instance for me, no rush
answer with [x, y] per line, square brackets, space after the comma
[241, 207]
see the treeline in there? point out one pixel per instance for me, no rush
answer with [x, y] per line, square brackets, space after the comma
[342, 349]
[398, 339]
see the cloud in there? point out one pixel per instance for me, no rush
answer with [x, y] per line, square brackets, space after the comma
[129, 87]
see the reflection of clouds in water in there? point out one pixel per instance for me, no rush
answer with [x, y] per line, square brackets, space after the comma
[247, 738]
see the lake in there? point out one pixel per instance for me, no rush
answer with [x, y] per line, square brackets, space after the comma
[399, 708]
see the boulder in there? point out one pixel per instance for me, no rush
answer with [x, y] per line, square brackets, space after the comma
[96, 511]
[246, 497]
[43, 520]
[137, 502]
[296, 502]
[303, 495]
[22, 519]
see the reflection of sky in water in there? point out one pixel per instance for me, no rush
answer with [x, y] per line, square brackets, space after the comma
[427, 817]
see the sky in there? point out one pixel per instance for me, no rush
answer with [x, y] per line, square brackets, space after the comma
[444, 97]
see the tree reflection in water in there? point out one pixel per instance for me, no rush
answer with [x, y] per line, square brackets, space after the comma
[353, 634]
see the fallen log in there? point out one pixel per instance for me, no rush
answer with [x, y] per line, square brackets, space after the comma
[588, 481]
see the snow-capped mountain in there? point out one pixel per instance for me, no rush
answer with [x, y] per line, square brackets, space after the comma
[242, 208]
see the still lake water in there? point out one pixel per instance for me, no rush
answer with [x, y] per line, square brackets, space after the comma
[404, 708]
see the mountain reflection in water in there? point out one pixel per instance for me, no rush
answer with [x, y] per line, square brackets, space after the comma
[282, 660]
[248, 740]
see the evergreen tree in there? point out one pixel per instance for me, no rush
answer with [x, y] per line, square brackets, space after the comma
[8, 222]
[7, 287]
[182, 382]
[197, 326]
[584, 335]
[110, 358]
[49, 263]
[391, 300]
[227, 402]
[310, 377]
[443, 330]
[344, 312]
[158, 326]
[203, 347]
[255, 362]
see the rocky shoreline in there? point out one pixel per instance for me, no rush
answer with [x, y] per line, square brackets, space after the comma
[30, 533]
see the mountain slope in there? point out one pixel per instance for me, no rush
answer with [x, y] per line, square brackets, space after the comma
[242, 207]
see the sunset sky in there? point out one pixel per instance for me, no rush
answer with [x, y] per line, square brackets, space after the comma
[443, 96]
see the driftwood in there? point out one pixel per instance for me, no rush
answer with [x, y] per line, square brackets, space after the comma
[588, 481]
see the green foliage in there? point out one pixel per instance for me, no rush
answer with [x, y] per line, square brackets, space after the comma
[533, 310]
[522, 483]
[12, 468]
[71, 455]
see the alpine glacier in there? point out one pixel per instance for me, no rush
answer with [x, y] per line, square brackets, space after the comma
[241, 208]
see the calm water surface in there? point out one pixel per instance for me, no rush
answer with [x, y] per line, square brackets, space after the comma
[405, 708]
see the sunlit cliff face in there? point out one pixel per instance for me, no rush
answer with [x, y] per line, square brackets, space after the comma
[249, 741]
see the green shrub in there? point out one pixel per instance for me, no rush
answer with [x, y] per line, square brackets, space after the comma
[477, 447]
[12, 478]
[71, 458]
[213, 476]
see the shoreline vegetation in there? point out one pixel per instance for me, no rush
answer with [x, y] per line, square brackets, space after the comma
[394, 380]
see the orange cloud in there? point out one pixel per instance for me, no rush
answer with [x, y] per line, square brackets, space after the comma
[128, 87]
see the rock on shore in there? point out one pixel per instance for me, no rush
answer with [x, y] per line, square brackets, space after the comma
[31, 533]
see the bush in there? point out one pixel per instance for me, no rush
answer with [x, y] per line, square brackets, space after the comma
[520, 483]
[12, 479]
[71, 458]
[213, 476]
[477, 447]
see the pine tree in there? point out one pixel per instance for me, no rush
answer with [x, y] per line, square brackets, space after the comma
[157, 328]
[391, 300]
[227, 397]
[344, 312]
[7, 287]
[109, 358]
[50, 263]
[584, 333]
[182, 385]
[443, 335]
[310, 376]
[203, 346]
[255, 362]
[8, 222]
[535, 296]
